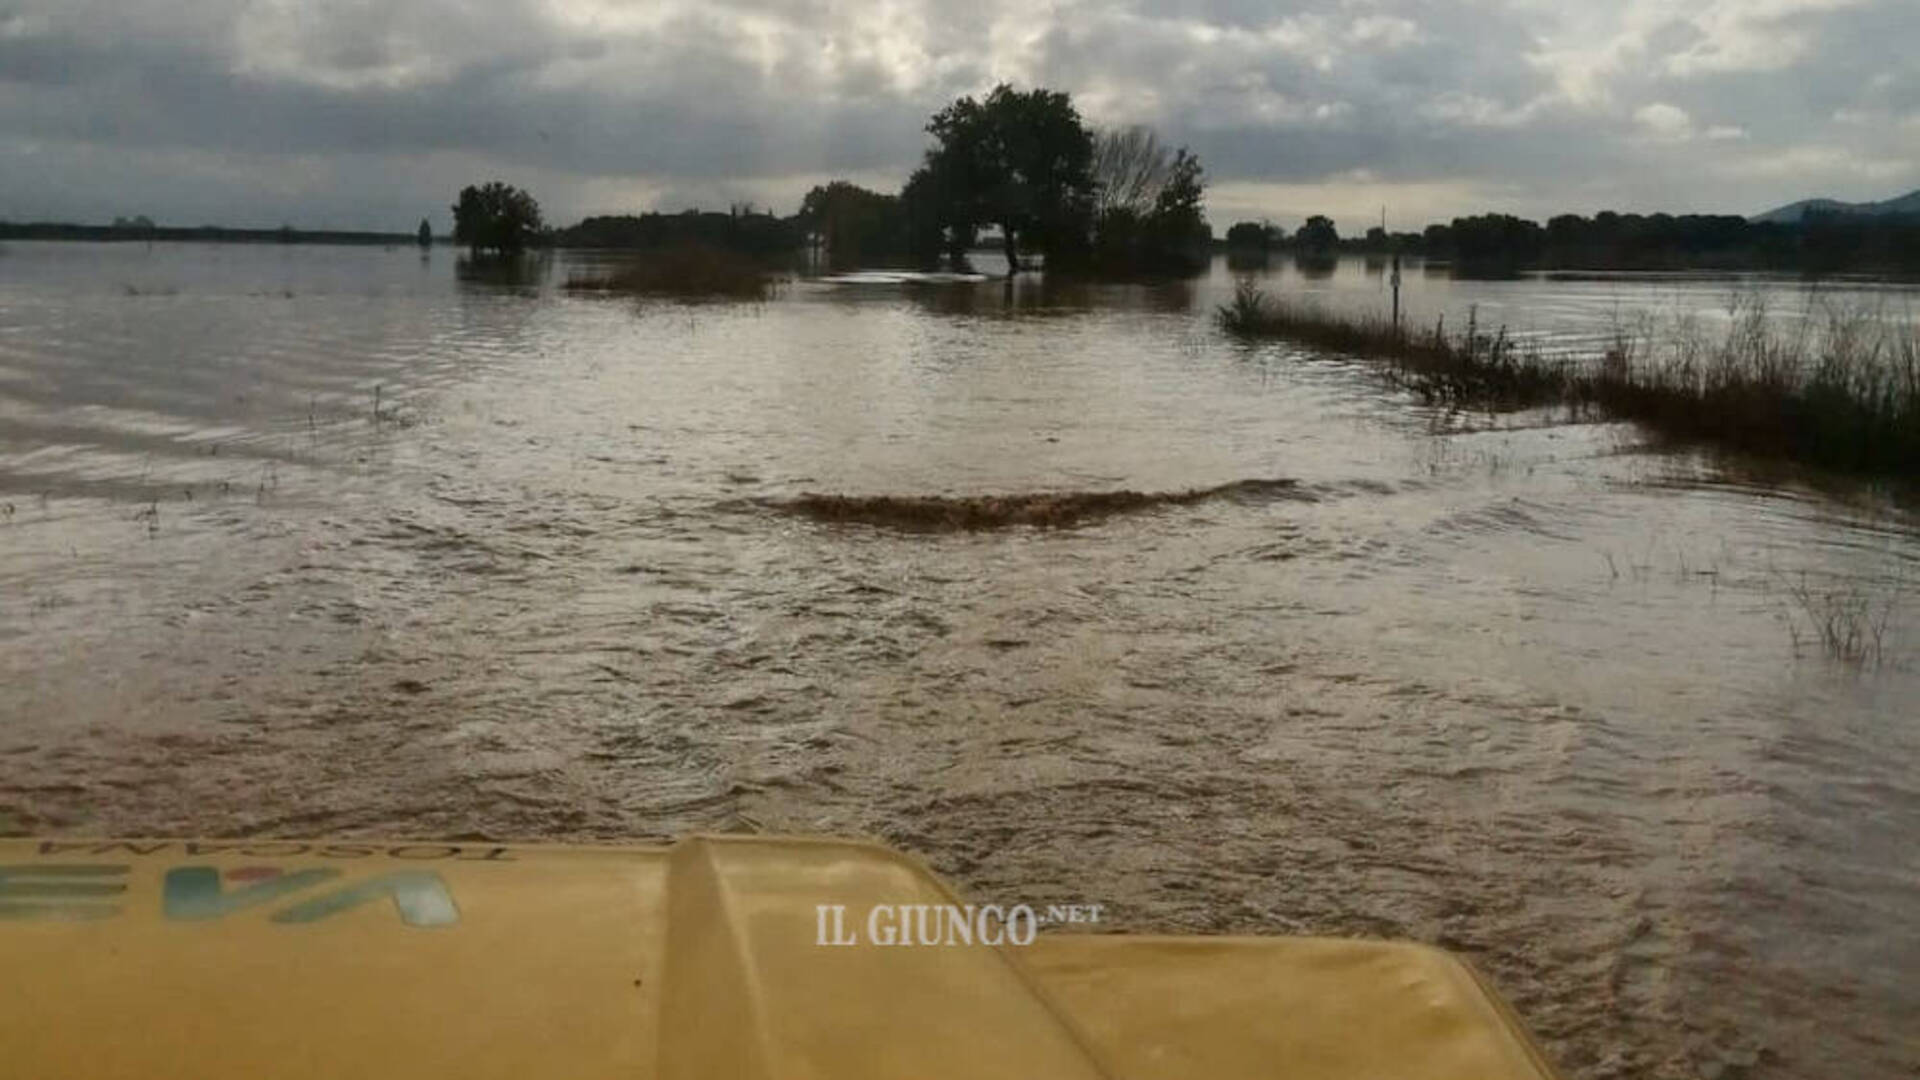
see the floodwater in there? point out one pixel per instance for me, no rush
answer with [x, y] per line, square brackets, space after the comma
[332, 540]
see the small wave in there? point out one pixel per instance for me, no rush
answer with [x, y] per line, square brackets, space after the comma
[1047, 509]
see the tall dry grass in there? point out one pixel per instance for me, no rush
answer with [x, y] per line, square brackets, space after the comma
[1842, 392]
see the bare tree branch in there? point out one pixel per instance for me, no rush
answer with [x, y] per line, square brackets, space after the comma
[1130, 167]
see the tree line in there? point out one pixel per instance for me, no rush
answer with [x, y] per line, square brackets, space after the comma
[1022, 169]
[143, 230]
[1022, 165]
[1494, 244]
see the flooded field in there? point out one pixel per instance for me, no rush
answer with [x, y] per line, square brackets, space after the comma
[1059, 589]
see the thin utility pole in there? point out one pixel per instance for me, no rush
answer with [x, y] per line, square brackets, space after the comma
[1394, 281]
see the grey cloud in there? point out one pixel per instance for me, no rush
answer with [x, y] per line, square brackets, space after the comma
[354, 111]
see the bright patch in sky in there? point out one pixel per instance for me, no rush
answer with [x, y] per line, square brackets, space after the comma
[371, 113]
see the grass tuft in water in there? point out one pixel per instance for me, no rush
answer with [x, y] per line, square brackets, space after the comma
[1847, 621]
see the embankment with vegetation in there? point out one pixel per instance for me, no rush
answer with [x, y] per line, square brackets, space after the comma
[741, 229]
[1844, 395]
[147, 232]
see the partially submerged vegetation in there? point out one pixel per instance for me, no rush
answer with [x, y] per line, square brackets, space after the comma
[1848, 621]
[1470, 368]
[1047, 509]
[741, 228]
[1845, 398]
[688, 270]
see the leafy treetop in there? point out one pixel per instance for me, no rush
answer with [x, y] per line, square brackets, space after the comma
[496, 218]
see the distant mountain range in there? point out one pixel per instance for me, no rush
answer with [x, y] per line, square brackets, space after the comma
[1793, 213]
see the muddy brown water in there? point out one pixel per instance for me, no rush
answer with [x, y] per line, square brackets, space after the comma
[1531, 690]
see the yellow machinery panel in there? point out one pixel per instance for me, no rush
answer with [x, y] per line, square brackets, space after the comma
[747, 958]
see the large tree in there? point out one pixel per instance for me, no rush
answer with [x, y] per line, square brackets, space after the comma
[1021, 161]
[496, 218]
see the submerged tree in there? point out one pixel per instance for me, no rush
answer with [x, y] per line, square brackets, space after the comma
[854, 222]
[497, 218]
[1150, 218]
[425, 235]
[1177, 230]
[925, 211]
[1021, 161]
[1317, 236]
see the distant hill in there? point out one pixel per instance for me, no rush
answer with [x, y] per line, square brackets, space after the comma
[1793, 213]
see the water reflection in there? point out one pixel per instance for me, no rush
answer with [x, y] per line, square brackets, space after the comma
[524, 273]
[1316, 267]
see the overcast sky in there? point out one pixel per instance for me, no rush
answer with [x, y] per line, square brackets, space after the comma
[371, 113]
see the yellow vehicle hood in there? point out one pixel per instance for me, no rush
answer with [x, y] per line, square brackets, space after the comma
[711, 958]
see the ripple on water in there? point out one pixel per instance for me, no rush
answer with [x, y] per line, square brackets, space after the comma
[1517, 687]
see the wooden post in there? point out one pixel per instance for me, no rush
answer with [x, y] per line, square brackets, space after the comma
[1395, 281]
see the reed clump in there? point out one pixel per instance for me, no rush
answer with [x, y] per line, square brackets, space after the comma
[686, 271]
[1848, 621]
[1843, 394]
